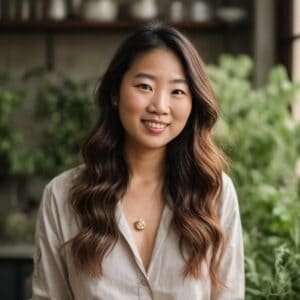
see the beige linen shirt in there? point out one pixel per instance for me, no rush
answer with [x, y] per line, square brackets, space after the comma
[125, 278]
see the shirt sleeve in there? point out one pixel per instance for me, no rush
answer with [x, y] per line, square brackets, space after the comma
[50, 280]
[232, 265]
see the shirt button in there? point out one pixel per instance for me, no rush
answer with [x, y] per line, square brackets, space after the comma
[143, 281]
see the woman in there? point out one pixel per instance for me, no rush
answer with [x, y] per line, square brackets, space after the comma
[150, 214]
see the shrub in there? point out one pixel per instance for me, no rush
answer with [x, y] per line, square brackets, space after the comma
[258, 134]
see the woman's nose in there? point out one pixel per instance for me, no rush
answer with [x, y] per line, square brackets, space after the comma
[159, 103]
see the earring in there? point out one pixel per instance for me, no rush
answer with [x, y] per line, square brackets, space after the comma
[115, 103]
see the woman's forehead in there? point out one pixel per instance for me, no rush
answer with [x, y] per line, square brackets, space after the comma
[157, 61]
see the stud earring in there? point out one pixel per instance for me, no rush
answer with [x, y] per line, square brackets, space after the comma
[115, 103]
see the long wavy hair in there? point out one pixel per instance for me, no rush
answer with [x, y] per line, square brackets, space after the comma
[191, 186]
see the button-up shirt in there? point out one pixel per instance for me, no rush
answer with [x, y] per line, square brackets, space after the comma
[124, 276]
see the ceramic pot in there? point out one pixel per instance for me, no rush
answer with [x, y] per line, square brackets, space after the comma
[57, 10]
[176, 11]
[201, 11]
[101, 10]
[144, 9]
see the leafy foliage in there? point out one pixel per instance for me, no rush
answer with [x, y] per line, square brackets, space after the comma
[18, 227]
[64, 110]
[15, 158]
[258, 134]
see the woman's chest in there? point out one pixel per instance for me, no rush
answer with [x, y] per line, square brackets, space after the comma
[141, 220]
[125, 278]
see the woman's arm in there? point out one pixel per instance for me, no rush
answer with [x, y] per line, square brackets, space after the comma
[232, 266]
[50, 280]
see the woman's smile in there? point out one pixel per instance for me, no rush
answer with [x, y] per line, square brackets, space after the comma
[155, 127]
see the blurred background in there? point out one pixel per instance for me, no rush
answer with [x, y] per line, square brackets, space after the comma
[53, 53]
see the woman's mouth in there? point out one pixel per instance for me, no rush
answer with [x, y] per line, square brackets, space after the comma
[155, 127]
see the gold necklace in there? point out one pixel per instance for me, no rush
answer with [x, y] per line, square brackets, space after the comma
[140, 224]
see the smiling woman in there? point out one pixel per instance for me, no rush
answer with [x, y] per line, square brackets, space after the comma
[151, 213]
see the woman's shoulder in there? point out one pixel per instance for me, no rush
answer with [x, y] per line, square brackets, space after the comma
[62, 182]
[227, 183]
[228, 198]
[56, 192]
[55, 210]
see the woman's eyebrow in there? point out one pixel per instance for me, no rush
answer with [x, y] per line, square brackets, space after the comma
[144, 75]
[152, 77]
[179, 80]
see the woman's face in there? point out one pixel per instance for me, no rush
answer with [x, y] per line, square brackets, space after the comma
[155, 100]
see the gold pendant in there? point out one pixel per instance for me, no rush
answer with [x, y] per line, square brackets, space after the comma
[140, 224]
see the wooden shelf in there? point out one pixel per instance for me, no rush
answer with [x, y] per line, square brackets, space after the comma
[50, 28]
[87, 26]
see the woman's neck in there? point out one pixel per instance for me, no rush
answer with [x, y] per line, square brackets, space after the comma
[145, 165]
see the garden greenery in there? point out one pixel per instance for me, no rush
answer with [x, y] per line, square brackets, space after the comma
[12, 150]
[64, 110]
[263, 142]
[255, 130]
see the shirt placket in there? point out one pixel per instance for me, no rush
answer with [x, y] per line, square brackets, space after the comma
[144, 288]
[143, 278]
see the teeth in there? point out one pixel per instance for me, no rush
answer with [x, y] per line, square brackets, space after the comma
[155, 124]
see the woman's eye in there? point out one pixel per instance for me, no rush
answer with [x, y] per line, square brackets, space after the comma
[178, 92]
[144, 86]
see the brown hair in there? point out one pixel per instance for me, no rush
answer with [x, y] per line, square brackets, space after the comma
[192, 185]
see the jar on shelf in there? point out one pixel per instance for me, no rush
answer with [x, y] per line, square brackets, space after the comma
[176, 13]
[200, 11]
[231, 14]
[57, 10]
[100, 10]
[144, 9]
[25, 10]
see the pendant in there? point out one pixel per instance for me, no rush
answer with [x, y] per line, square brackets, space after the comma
[140, 224]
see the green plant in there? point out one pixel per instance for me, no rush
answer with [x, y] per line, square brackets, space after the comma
[63, 113]
[15, 158]
[17, 161]
[64, 110]
[259, 135]
[18, 227]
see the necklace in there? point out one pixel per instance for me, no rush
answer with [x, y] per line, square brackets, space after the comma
[140, 224]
